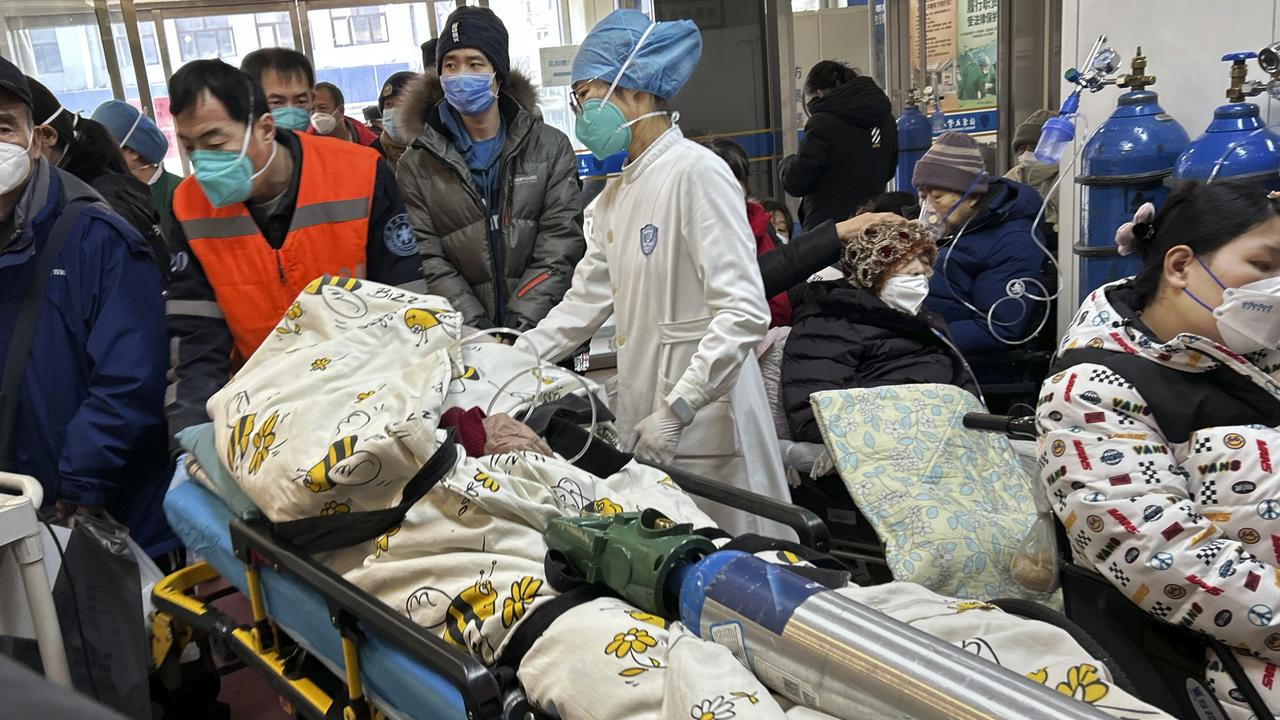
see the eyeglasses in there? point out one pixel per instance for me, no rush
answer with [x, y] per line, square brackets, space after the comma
[577, 97]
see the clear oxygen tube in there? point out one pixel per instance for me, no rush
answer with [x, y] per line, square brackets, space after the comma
[1222, 160]
[1019, 290]
[455, 352]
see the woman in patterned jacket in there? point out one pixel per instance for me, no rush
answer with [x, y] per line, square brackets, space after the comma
[1160, 436]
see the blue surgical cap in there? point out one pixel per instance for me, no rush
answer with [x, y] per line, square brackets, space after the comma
[145, 139]
[662, 65]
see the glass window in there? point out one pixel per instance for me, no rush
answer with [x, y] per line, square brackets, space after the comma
[357, 49]
[443, 8]
[150, 50]
[533, 25]
[805, 5]
[205, 37]
[44, 46]
[358, 26]
[274, 29]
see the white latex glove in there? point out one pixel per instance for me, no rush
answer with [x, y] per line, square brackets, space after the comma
[658, 435]
[822, 465]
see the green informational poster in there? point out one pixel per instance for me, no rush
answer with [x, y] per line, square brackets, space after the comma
[976, 22]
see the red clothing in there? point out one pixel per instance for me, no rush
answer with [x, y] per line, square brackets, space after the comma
[780, 304]
[360, 134]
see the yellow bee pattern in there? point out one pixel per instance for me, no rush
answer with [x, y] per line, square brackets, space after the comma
[317, 479]
[290, 324]
[383, 543]
[346, 283]
[238, 444]
[523, 592]
[263, 440]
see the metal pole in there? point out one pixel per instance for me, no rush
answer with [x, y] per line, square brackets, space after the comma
[109, 48]
[1004, 85]
[166, 64]
[432, 25]
[131, 32]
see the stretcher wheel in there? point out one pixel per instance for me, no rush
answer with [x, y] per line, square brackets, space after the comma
[1035, 611]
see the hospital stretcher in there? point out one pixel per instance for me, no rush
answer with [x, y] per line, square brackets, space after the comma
[363, 654]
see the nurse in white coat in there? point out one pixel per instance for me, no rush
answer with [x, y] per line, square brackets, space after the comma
[672, 257]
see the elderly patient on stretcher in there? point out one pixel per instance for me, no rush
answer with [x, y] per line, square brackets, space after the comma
[362, 385]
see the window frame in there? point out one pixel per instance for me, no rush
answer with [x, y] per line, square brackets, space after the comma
[216, 33]
[39, 48]
[359, 16]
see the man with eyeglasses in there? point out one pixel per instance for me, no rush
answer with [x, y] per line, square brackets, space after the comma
[265, 212]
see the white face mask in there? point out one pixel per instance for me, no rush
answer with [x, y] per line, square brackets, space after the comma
[905, 292]
[15, 165]
[156, 175]
[1249, 316]
[324, 123]
[390, 124]
[1028, 157]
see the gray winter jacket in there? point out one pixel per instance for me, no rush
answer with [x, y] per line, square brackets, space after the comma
[541, 217]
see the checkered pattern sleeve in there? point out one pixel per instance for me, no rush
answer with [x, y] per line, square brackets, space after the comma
[1122, 493]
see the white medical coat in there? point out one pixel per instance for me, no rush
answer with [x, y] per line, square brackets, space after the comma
[672, 256]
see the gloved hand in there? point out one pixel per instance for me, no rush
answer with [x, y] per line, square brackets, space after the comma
[823, 465]
[504, 433]
[658, 435]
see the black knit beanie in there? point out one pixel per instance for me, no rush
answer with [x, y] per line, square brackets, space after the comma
[476, 27]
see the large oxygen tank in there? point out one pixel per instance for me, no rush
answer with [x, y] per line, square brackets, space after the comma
[1123, 165]
[1237, 142]
[822, 650]
[915, 135]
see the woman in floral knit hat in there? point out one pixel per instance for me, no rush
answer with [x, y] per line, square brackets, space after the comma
[869, 328]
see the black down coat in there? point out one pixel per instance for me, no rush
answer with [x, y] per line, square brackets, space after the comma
[848, 153]
[845, 337]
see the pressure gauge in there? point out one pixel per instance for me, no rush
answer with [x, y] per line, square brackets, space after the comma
[1269, 58]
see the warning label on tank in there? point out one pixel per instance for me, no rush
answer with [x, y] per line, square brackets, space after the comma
[729, 634]
[789, 685]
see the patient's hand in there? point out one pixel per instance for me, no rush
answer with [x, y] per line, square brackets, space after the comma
[506, 434]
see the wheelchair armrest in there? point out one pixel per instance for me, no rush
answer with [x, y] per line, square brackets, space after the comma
[813, 533]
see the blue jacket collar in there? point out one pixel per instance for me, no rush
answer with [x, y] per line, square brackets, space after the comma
[34, 207]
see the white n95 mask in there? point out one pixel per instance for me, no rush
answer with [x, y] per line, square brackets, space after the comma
[324, 123]
[905, 292]
[15, 165]
[1249, 316]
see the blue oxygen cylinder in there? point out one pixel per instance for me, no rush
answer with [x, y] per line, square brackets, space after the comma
[820, 649]
[915, 135]
[1122, 166]
[1236, 142]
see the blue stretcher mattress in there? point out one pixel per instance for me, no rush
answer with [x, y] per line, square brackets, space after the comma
[394, 681]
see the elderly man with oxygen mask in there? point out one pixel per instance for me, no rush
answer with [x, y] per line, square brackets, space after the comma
[672, 256]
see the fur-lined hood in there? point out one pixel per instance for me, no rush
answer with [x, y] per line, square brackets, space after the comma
[424, 92]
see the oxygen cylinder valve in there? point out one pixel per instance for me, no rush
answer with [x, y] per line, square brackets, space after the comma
[1137, 79]
[632, 554]
[1241, 87]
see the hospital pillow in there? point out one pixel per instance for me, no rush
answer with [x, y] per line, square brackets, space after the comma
[198, 441]
[950, 504]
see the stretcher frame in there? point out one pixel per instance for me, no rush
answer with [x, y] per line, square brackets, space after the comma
[260, 646]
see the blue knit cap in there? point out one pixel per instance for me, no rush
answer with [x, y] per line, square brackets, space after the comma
[662, 65]
[133, 130]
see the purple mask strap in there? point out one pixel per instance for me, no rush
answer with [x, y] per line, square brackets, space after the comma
[1215, 277]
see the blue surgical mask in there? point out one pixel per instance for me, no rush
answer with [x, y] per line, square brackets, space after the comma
[391, 125]
[601, 126]
[225, 175]
[469, 93]
[291, 118]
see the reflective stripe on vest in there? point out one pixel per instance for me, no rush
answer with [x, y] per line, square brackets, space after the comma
[254, 283]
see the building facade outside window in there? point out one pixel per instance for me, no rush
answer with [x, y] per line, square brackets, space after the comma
[205, 37]
[44, 46]
[358, 26]
[274, 29]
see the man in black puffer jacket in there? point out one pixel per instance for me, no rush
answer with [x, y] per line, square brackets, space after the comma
[868, 329]
[850, 145]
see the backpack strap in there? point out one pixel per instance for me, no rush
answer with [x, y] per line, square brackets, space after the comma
[77, 197]
[1183, 402]
[323, 533]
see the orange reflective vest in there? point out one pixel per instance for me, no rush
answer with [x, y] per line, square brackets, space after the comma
[254, 283]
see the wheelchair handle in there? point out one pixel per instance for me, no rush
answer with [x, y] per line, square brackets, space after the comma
[1017, 428]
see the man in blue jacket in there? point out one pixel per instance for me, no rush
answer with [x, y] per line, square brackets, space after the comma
[89, 416]
[988, 248]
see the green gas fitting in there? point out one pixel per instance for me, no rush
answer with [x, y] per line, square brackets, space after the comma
[630, 553]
